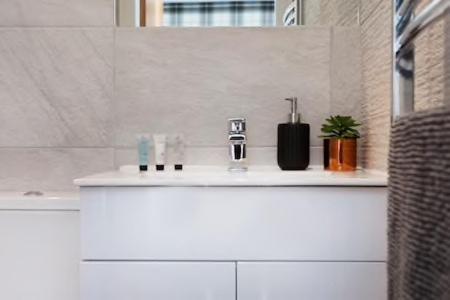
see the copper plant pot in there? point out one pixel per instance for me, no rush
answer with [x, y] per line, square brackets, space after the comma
[342, 154]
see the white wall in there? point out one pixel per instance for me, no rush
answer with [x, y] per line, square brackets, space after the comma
[74, 90]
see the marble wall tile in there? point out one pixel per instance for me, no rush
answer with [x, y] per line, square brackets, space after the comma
[216, 156]
[55, 87]
[192, 80]
[47, 169]
[56, 13]
[193, 156]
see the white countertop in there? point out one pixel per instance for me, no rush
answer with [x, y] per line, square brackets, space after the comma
[220, 176]
[54, 200]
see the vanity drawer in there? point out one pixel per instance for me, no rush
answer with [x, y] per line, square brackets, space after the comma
[157, 280]
[234, 223]
[312, 281]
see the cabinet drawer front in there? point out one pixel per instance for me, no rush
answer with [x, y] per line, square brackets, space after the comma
[234, 223]
[312, 281]
[157, 280]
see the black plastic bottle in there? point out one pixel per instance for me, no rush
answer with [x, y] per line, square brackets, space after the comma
[293, 141]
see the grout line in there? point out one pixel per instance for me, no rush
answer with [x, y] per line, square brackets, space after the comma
[128, 147]
[236, 280]
[40, 209]
[218, 147]
[40, 27]
[113, 132]
[331, 70]
[233, 261]
[173, 28]
[115, 13]
[54, 147]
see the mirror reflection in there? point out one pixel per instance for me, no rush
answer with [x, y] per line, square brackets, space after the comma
[208, 13]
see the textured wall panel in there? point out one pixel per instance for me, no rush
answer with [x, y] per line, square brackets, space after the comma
[376, 41]
[433, 66]
[432, 82]
[331, 12]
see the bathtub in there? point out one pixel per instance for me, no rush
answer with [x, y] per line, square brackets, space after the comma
[40, 246]
[47, 201]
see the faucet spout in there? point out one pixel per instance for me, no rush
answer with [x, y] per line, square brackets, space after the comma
[237, 140]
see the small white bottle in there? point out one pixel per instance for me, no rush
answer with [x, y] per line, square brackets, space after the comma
[178, 151]
[160, 151]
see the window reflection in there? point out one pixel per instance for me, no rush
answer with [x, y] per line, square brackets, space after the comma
[206, 13]
[219, 13]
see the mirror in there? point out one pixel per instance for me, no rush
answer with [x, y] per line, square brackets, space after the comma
[208, 13]
[236, 13]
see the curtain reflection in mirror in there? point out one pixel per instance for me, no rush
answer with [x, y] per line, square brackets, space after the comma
[205, 13]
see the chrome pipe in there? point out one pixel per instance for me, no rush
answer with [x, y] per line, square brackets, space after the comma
[428, 16]
[406, 28]
[404, 6]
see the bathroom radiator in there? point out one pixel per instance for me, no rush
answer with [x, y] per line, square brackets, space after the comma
[419, 171]
[406, 28]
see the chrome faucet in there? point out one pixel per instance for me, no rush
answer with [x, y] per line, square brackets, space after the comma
[237, 144]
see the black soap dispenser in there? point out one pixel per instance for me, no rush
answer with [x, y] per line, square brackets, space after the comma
[293, 141]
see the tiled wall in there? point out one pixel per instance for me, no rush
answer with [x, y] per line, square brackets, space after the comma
[376, 47]
[372, 20]
[432, 85]
[56, 91]
[331, 12]
[75, 91]
[192, 80]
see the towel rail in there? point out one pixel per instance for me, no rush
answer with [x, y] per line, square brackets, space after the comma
[406, 28]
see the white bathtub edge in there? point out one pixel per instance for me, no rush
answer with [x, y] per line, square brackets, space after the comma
[49, 201]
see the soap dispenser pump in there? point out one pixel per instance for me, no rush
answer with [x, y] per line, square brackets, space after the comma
[293, 141]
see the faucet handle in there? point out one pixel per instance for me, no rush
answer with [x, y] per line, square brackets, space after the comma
[236, 125]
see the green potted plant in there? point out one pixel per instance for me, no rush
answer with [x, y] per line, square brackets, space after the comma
[340, 143]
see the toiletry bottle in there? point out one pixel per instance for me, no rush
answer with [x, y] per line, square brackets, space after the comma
[143, 151]
[293, 141]
[159, 140]
[178, 151]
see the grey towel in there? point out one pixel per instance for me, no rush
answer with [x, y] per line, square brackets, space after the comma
[419, 207]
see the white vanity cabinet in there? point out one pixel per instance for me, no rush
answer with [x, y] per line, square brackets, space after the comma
[143, 238]
[311, 280]
[233, 223]
[158, 280]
